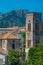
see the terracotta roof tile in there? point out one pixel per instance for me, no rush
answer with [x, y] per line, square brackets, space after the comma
[8, 36]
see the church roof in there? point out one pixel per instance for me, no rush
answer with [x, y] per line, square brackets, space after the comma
[8, 36]
[14, 28]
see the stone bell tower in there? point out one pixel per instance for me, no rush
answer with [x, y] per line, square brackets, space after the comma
[33, 30]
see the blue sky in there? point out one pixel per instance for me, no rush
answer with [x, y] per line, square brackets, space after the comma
[31, 5]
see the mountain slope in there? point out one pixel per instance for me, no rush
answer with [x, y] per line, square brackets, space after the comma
[13, 18]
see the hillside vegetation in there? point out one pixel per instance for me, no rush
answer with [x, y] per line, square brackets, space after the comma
[13, 18]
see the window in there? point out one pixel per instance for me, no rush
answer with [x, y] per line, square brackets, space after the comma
[29, 26]
[13, 45]
[37, 25]
[36, 41]
[29, 43]
[36, 20]
[36, 33]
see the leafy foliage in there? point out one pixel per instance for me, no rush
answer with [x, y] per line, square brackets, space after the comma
[13, 18]
[13, 57]
[35, 56]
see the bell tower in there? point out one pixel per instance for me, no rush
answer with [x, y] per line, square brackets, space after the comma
[33, 29]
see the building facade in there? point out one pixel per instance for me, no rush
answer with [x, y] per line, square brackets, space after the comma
[11, 38]
[33, 30]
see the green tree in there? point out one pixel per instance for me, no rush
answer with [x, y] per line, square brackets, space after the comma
[23, 49]
[35, 56]
[42, 40]
[13, 57]
[24, 40]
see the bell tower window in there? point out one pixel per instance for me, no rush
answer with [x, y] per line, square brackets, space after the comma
[37, 25]
[29, 26]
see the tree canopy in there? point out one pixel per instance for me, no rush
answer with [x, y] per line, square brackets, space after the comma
[35, 56]
[13, 57]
